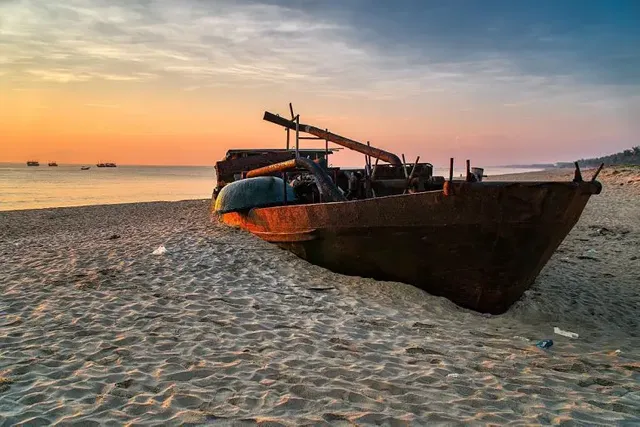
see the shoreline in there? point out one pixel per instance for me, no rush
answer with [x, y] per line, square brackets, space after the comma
[225, 327]
[101, 205]
[545, 174]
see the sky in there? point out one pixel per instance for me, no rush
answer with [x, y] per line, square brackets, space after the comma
[180, 82]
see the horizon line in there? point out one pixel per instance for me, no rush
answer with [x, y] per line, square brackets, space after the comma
[44, 164]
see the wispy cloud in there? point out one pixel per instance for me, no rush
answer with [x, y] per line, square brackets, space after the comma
[65, 76]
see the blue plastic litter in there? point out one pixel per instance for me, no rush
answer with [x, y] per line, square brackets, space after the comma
[544, 344]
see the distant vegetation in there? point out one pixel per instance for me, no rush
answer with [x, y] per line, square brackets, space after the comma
[626, 157]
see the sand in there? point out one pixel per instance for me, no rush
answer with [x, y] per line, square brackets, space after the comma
[224, 328]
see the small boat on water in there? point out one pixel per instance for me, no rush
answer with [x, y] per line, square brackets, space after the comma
[53, 164]
[479, 244]
[106, 165]
[85, 168]
[33, 163]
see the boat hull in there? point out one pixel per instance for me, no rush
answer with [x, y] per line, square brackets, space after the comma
[481, 245]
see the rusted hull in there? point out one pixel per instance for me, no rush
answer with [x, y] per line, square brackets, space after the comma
[482, 246]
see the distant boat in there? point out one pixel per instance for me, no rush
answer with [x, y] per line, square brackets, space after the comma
[106, 165]
[85, 168]
[53, 164]
[33, 163]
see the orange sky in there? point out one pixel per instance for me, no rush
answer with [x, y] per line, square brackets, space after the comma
[136, 125]
[76, 96]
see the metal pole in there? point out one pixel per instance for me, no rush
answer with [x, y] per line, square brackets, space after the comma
[451, 170]
[578, 174]
[326, 149]
[367, 175]
[297, 135]
[413, 171]
[375, 168]
[404, 167]
[293, 117]
[597, 172]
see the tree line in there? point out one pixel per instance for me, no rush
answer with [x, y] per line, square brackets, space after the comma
[630, 156]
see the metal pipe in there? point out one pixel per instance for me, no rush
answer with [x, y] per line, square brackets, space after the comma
[337, 139]
[327, 188]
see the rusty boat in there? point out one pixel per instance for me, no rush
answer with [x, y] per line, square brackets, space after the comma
[480, 244]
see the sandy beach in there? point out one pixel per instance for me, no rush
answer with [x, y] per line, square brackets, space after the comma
[225, 328]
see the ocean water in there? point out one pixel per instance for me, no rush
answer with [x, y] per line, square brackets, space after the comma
[23, 187]
[459, 171]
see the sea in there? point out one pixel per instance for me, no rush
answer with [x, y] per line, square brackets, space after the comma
[35, 187]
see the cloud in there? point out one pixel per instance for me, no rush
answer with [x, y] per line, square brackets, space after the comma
[200, 42]
[62, 76]
[65, 76]
[371, 53]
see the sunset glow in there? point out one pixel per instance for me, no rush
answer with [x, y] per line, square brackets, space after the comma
[167, 82]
